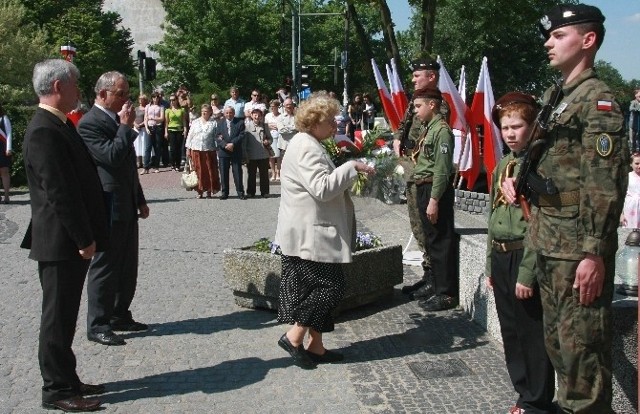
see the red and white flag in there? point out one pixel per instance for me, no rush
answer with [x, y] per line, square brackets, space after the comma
[385, 98]
[464, 157]
[481, 107]
[460, 118]
[397, 91]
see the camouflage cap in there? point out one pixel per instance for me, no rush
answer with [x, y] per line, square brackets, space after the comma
[568, 15]
[427, 93]
[510, 98]
[424, 64]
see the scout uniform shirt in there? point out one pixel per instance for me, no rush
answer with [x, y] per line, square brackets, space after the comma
[435, 161]
[506, 222]
[586, 157]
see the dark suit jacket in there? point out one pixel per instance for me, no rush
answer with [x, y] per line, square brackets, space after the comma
[67, 205]
[112, 149]
[223, 137]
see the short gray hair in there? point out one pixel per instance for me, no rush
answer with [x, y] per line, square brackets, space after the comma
[48, 71]
[107, 81]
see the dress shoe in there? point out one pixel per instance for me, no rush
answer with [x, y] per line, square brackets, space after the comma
[105, 338]
[438, 303]
[73, 405]
[327, 357]
[300, 356]
[224, 197]
[424, 292]
[90, 389]
[412, 288]
[129, 326]
[242, 197]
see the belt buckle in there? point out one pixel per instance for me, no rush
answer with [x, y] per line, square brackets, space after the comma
[500, 247]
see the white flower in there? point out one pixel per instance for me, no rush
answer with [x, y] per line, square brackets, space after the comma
[399, 170]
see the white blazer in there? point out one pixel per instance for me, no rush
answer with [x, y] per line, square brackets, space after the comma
[316, 220]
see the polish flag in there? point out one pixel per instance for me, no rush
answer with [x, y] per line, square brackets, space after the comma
[464, 157]
[385, 98]
[343, 141]
[460, 118]
[397, 92]
[481, 107]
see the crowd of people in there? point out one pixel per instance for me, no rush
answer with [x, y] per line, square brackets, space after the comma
[553, 294]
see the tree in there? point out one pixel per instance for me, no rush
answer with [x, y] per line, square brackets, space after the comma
[23, 44]
[505, 31]
[102, 43]
[622, 90]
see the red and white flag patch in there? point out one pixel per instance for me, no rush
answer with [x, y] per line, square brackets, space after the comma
[605, 105]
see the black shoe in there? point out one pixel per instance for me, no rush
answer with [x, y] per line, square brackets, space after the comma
[424, 292]
[90, 389]
[300, 356]
[327, 357]
[439, 303]
[224, 197]
[73, 405]
[412, 288]
[249, 196]
[242, 197]
[129, 326]
[264, 195]
[106, 338]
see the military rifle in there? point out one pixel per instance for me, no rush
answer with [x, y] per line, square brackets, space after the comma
[528, 180]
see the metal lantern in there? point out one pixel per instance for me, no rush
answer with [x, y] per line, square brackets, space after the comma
[627, 264]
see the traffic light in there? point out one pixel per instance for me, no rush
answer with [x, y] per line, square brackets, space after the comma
[305, 75]
[149, 69]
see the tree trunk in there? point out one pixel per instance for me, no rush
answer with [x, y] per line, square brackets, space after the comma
[360, 32]
[389, 34]
[427, 21]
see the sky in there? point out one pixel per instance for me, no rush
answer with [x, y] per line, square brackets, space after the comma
[621, 45]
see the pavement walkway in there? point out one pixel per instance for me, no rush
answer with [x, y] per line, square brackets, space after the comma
[205, 354]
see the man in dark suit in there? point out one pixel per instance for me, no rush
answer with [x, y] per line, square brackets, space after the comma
[229, 136]
[107, 131]
[68, 225]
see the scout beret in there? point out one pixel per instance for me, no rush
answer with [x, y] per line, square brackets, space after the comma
[427, 93]
[511, 98]
[424, 64]
[568, 15]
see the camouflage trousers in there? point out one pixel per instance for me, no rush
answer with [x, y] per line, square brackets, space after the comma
[414, 214]
[578, 338]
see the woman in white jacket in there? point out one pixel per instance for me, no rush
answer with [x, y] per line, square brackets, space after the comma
[316, 232]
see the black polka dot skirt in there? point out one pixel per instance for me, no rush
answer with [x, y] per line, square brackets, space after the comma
[309, 292]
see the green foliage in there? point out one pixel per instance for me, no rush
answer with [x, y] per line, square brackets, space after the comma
[20, 116]
[622, 90]
[23, 44]
[262, 245]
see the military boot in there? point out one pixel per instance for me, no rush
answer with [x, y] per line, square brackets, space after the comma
[427, 289]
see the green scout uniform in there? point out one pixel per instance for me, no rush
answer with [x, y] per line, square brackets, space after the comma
[586, 158]
[432, 175]
[415, 127]
[508, 263]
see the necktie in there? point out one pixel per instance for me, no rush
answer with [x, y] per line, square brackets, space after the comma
[229, 128]
[118, 119]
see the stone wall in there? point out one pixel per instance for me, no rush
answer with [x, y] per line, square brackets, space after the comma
[471, 202]
[144, 18]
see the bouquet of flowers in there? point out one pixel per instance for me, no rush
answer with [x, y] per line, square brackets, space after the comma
[367, 241]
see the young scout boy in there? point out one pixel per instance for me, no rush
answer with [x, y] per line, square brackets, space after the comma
[510, 268]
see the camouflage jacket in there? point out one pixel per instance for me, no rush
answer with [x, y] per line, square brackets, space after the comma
[586, 155]
[436, 155]
[507, 223]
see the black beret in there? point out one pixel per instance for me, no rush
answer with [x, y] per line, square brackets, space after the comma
[427, 93]
[424, 64]
[567, 15]
[511, 98]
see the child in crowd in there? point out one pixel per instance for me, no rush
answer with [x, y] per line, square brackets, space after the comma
[630, 216]
[510, 268]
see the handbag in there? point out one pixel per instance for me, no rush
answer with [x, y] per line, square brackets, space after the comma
[189, 179]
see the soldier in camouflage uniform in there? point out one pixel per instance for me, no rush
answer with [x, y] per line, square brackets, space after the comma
[434, 193]
[574, 229]
[425, 74]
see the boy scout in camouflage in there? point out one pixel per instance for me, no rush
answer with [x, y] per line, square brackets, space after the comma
[425, 74]
[434, 194]
[573, 228]
[510, 268]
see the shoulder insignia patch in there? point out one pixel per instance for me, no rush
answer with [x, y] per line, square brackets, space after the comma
[604, 105]
[604, 145]
[444, 148]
